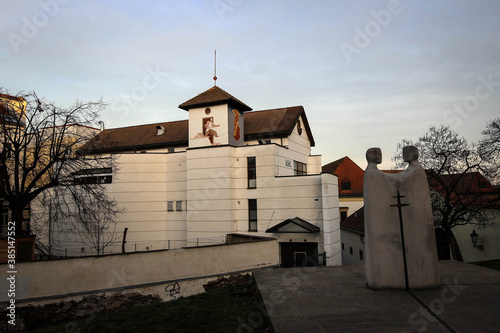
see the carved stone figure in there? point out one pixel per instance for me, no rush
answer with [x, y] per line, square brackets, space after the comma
[420, 237]
[384, 262]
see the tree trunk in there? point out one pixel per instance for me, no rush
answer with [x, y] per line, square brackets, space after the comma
[455, 249]
[17, 218]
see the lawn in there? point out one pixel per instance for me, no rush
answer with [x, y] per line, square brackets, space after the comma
[231, 308]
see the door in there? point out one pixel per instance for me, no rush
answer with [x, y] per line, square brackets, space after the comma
[299, 254]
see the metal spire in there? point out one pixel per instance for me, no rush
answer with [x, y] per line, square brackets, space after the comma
[215, 68]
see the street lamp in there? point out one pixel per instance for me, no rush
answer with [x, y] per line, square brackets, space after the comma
[473, 237]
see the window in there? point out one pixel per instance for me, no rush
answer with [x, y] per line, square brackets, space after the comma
[252, 214]
[343, 247]
[170, 206]
[345, 185]
[252, 172]
[94, 176]
[178, 206]
[360, 254]
[350, 250]
[299, 168]
[343, 216]
[343, 213]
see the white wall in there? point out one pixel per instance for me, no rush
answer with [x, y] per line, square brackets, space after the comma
[147, 272]
[353, 204]
[489, 238]
[142, 186]
[351, 240]
[220, 117]
[212, 184]
[331, 219]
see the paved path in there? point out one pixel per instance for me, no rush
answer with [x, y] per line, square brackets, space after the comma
[336, 299]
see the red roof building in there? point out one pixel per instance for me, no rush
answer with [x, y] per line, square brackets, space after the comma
[350, 177]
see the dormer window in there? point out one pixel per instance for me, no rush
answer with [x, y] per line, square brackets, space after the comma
[345, 185]
[160, 130]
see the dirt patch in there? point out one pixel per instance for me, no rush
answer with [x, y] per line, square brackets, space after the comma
[233, 279]
[32, 317]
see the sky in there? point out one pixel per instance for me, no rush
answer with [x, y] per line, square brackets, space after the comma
[368, 73]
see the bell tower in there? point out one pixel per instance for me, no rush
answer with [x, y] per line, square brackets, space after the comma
[215, 118]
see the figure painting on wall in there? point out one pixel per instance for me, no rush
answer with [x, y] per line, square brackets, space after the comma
[236, 124]
[208, 129]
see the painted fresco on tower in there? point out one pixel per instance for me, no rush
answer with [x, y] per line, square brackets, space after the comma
[236, 124]
[208, 130]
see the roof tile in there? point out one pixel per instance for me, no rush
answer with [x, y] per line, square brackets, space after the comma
[214, 96]
[258, 125]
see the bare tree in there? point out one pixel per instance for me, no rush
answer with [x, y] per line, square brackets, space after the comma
[489, 148]
[39, 160]
[457, 174]
[82, 209]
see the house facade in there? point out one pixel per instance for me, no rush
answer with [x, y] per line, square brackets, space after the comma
[350, 177]
[227, 170]
[12, 123]
[11, 114]
[352, 230]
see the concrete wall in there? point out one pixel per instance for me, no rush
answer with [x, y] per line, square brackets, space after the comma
[148, 273]
[331, 219]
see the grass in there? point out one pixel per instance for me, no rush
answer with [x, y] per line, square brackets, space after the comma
[226, 309]
[493, 264]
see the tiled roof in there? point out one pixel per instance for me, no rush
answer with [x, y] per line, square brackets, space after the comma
[332, 167]
[469, 189]
[258, 125]
[214, 96]
[347, 171]
[308, 227]
[275, 122]
[19, 99]
[471, 182]
[355, 222]
[139, 137]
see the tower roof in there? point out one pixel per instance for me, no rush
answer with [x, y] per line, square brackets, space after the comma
[214, 96]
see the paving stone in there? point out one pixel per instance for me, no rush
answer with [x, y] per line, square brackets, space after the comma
[336, 299]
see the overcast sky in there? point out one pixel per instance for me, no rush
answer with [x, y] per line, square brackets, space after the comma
[368, 73]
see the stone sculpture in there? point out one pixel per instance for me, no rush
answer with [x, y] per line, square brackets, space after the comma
[385, 259]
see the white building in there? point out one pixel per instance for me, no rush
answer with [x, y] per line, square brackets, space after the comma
[226, 170]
